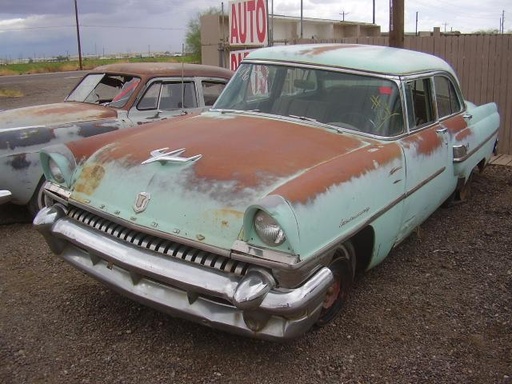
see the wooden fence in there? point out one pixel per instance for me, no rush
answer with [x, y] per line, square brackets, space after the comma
[483, 64]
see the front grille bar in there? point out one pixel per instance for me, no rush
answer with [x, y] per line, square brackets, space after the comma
[157, 244]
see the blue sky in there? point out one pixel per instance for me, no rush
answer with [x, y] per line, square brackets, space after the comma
[37, 28]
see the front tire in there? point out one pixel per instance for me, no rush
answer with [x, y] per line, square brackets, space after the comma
[343, 267]
[39, 199]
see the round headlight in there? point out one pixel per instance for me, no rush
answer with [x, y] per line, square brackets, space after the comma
[55, 171]
[268, 229]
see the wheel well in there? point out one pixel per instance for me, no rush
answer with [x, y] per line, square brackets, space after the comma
[363, 243]
[481, 165]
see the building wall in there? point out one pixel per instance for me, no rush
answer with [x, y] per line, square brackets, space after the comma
[215, 33]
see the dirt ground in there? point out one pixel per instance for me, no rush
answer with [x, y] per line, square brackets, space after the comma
[437, 310]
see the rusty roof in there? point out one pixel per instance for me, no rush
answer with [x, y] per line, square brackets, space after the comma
[165, 69]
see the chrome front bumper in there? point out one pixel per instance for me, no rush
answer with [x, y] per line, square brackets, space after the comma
[250, 305]
[5, 196]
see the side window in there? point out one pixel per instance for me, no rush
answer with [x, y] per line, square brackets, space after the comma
[178, 95]
[150, 98]
[419, 102]
[211, 91]
[446, 97]
[169, 96]
[125, 93]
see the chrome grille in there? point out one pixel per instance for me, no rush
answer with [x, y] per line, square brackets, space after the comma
[157, 244]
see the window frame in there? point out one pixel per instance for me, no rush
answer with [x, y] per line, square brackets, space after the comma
[433, 97]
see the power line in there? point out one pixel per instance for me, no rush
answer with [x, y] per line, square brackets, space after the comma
[90, 26]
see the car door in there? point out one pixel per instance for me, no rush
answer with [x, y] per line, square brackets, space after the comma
[164, 98]
[428, 156]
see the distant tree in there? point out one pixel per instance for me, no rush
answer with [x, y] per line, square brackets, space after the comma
[486, 32]
[193, 35]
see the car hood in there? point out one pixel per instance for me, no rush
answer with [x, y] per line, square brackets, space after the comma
[53, 114]
[233, 162]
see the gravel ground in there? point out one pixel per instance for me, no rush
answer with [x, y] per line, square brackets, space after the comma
[437, 310]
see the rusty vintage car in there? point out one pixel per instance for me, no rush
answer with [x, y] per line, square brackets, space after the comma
[253, 217]
[108, 98]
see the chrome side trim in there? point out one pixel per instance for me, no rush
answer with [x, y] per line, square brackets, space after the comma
[5, 196]
[470, 153]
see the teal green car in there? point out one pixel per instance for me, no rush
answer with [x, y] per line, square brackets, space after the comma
[255, 216]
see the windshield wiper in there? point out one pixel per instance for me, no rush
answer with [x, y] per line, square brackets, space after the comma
[241, 111]
[316, 122]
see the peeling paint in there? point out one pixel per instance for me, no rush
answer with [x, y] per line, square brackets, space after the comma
[318, 50]
[426, 142]
[90, 178]
[19, 162]
[337, 171]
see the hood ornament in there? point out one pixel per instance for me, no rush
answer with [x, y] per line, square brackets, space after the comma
[141, 202]
[162, 156]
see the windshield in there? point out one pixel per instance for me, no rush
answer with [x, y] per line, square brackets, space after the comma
[102, 88]
[363, 103]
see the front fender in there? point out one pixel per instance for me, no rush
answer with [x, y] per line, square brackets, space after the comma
[281, 210]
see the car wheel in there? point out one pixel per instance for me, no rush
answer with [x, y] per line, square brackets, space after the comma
[343, 267]
[464, 192]
[39, 199]
[461, 194]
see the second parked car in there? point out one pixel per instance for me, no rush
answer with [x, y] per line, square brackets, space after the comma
[108, 98]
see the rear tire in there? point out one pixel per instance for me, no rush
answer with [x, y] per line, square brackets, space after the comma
[461, 194]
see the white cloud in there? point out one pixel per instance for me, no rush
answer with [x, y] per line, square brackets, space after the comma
[44, 28]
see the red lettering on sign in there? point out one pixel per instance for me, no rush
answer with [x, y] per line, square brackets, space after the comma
[235, 58]
[234, 26]
[248, 22]
[261, 21]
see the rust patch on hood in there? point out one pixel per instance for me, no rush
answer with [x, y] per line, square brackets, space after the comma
[84, 148]
[243, 157]
[90, 178]
[237, 148]
[53, 114]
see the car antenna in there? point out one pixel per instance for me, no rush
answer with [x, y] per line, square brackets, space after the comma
[183, 112]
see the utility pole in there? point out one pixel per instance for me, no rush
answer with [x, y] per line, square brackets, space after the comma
[373, 11]
[78, 38]
[417, 23]
[343, 13]
[503, 22]
[301, 19]
[396, 23]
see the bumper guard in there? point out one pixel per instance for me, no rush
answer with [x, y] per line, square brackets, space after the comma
[250, 305]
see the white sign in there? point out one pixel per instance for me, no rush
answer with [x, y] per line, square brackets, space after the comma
[248, 23]
[236, 57]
